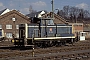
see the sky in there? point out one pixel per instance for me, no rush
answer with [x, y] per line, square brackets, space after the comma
[38, 5]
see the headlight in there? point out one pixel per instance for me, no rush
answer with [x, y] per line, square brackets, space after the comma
[12, 41]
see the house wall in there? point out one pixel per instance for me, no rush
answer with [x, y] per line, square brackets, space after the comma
[87, 30]
[6, 19]
[77, 28]
[87, 36]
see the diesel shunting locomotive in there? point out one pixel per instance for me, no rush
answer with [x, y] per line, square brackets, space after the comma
[44, 32]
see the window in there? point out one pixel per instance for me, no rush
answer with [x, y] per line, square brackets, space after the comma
[17, 26]
[0, 26]
[9, 35]
[50, 22]
[8, 26]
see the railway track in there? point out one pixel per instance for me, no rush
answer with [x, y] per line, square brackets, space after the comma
[72, 54]
[63, 52]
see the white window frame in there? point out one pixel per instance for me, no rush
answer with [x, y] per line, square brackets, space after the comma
[8, 26]
[9, 35]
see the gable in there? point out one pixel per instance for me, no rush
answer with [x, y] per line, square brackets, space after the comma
[13, 12]
[57, 19]
[20, 18]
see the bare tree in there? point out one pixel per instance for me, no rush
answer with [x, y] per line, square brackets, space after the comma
[61, 13]
[74, 13]
[66, 11]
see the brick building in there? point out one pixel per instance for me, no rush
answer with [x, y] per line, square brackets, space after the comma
[9, 23]
[77, 27]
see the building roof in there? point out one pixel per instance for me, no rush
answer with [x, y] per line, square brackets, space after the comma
[57, 19]
[35, 14]
[4, 11]
[12, 12]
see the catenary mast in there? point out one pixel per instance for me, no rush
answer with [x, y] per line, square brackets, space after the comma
[52, 2]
